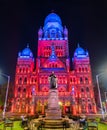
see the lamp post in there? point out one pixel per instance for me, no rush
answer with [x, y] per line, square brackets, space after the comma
[5, 103]
[97, 79]
[105, 101]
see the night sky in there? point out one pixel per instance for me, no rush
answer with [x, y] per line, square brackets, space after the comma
[20, 20]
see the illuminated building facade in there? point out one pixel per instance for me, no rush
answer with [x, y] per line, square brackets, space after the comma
[32, 85]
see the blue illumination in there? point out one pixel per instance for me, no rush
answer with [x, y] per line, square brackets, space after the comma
[52, 18]
[80, 52]
[53, 27]
[26, 53]
[53, 69]
[53, 55]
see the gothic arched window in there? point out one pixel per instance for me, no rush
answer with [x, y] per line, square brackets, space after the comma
[20, 80]
[87, 89]
[81, 80]
[53, 34]
[20, 70]
[25, 80]
[89, 106]
[86, 69]
[19, 89]
[82, 90]
[86, 79]
[79, 69]
[82, 69]
[24, 90]
[71, 79]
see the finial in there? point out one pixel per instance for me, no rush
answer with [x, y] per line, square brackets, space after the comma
[78, 45]
[27, 45]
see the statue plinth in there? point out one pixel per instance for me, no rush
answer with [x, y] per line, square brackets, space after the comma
[53, 111]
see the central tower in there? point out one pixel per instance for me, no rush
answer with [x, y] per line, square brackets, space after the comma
[53, 53]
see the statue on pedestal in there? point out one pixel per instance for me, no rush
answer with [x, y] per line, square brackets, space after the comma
[52, 80]
[53, 110]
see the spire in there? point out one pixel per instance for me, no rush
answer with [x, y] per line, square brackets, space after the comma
[78, 45]
[27, 45]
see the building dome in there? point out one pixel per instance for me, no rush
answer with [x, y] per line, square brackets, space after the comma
[80, 52]
[52, 27]
[52, 17]
[26, 52]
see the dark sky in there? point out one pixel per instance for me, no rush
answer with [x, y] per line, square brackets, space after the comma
[20, 20]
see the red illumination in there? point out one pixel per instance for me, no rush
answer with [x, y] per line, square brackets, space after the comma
[52, 55]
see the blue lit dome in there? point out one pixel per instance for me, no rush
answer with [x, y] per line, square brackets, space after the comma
[80, 52]
[52, 27]
[52, 18]
[26, 52]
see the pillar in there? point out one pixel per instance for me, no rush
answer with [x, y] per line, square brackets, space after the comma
[79, 109]
[74, 110]
[63, 110]
[43, 109]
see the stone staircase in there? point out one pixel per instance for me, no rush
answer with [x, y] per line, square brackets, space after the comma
[53, 124]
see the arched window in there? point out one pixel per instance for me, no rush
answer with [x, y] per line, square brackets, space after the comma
[20, 70]
[35, 80]
[86, 69]
[18, 99]
[19, 89]
[87, 89]
[20, 80]
[53, 34]
[82, 69]
[89, 106]
[24, 90]
[25, 80]
[71, 79]
[88, 100]
[79, 69]
[82, 90]
[83, 100]
[86, 79]
[81, 80]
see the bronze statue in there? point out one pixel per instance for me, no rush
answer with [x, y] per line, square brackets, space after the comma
[52, 79]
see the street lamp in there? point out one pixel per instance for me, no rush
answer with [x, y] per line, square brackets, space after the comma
[5, 103]
[97, 77]
[105, 101]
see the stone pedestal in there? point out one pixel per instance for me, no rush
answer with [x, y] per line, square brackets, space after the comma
[53, 111]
